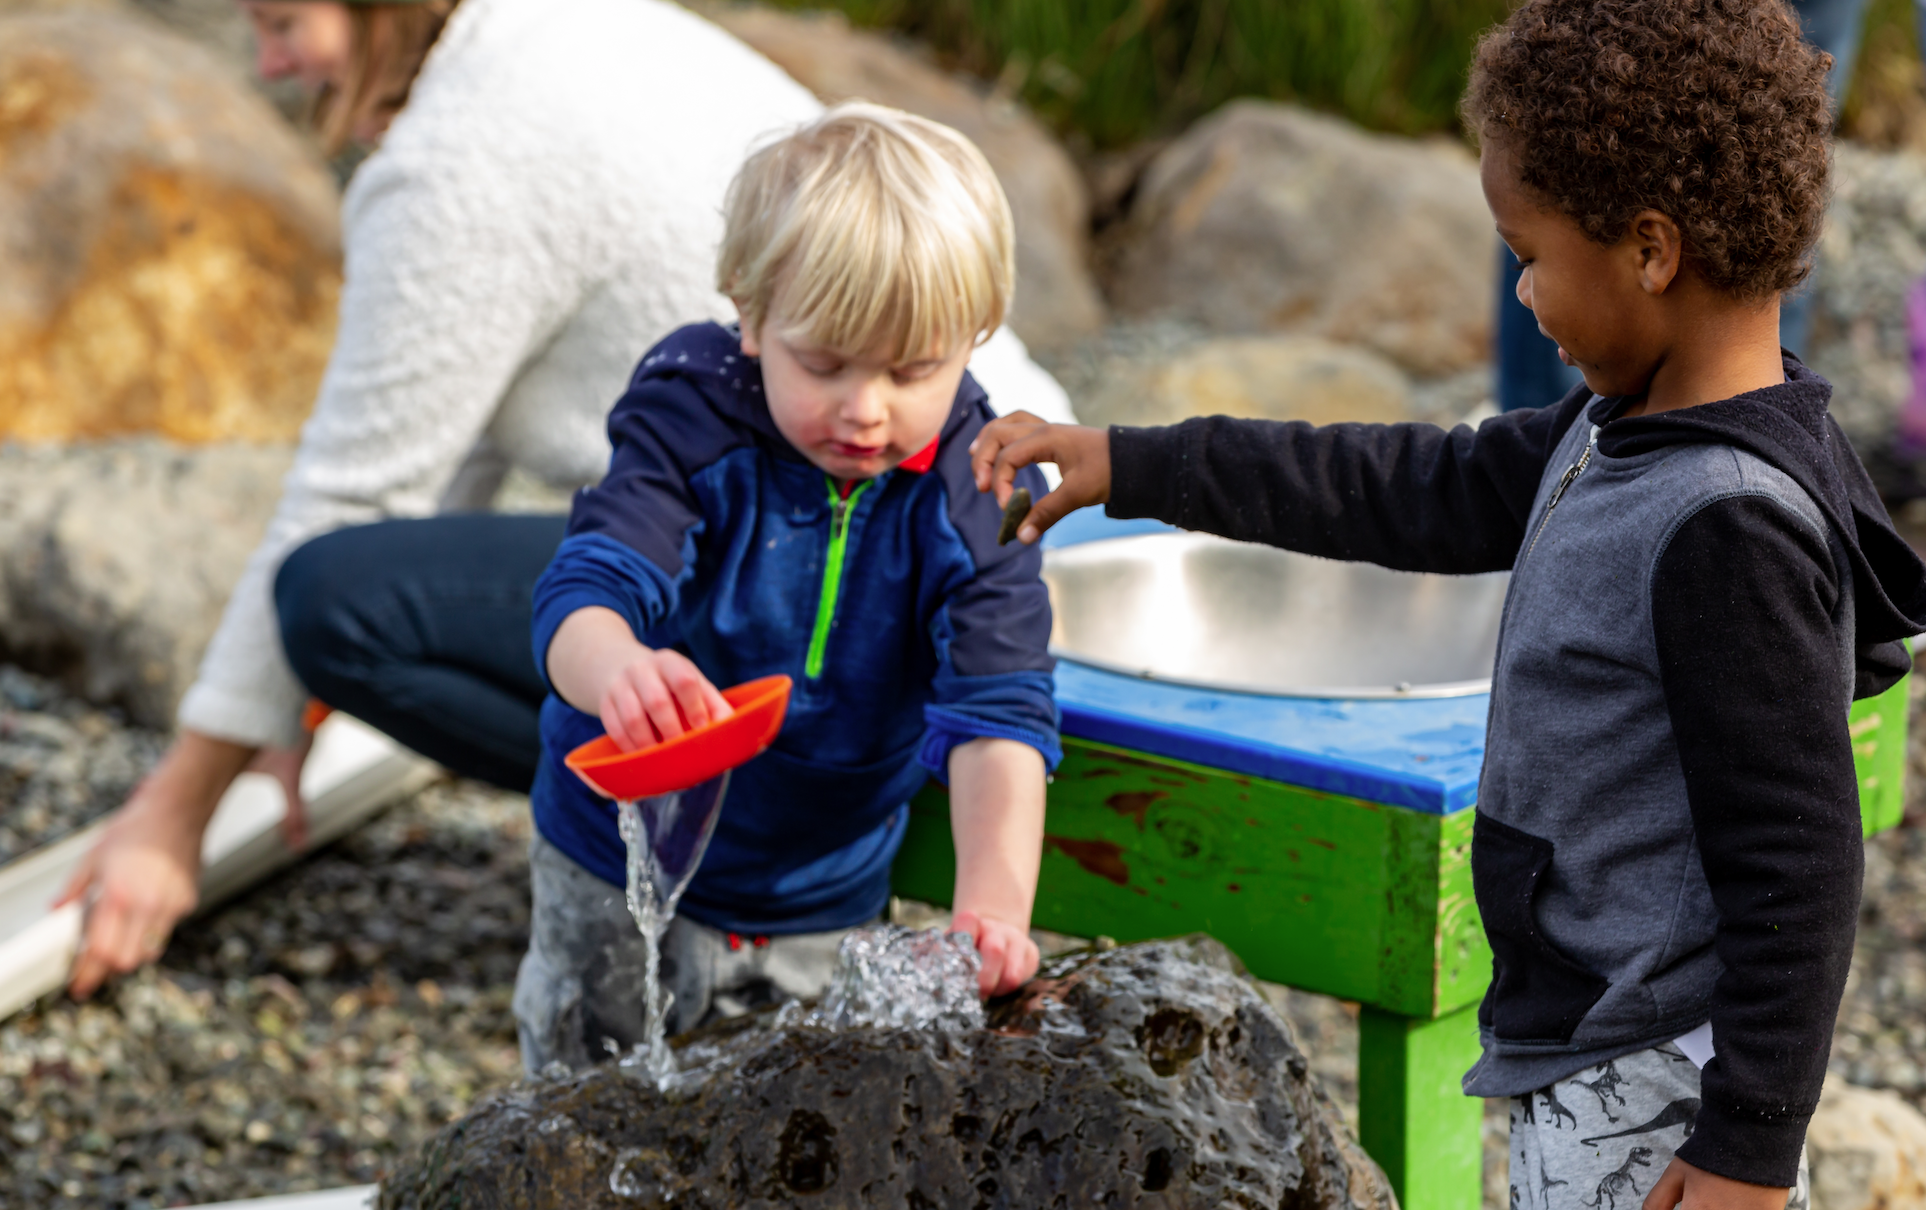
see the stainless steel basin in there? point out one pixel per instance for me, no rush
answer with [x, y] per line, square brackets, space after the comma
[1199, 610]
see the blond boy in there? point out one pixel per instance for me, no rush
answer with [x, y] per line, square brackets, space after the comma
[794, 495]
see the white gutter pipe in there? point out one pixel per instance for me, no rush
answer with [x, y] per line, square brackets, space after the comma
[353, 772]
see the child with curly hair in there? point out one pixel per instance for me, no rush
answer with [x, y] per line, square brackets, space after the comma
[1667, 848]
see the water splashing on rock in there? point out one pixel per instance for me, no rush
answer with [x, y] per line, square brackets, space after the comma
[898, 978]
[666, 836]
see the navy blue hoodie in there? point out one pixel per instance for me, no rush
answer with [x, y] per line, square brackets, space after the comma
[906, 628]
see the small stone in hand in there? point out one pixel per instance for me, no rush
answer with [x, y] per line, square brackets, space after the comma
[1013, 514]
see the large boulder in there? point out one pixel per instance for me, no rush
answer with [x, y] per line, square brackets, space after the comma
[116, 560]
[1873, 250]
[1153, 1075]
[169, 248]
[1260, 377]
[1056, 300]
[1270, 218]
[1867, 1151]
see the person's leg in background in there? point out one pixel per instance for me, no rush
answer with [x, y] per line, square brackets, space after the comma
[420, 629]
[1529, 374]
[1833, 26]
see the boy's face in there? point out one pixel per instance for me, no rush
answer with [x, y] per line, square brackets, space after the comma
[855, 416]
[1598, 301]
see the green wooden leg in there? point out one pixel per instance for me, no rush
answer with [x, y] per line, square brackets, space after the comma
[1412, 1118]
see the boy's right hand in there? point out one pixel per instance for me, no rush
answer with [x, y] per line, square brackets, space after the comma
[643, 695]
[1019, 440]
[657, 695]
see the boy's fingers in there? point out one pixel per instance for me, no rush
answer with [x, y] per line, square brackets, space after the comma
[993, 946]
[686, 686]
[1669, 1191]
[659, 704]
[995, 435]
[624, 718]
[1046, 512]
[719, 707]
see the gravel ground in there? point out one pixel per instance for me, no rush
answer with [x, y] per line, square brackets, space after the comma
[62, 762]
[305, 1035]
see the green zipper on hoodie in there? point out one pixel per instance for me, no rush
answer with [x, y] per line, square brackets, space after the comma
[840, 508]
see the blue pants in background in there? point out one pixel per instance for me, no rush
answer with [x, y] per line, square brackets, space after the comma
[421, 629]
[1529, 374]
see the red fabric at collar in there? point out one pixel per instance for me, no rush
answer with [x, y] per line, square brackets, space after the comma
[918, 463]
[922, 460]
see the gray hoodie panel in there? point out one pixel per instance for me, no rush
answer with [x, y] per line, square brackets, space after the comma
[1585, 860]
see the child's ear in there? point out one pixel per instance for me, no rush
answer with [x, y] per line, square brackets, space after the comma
[1660, 248]
[751, 346]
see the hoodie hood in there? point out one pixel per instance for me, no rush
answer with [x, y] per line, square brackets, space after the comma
[1788, 426]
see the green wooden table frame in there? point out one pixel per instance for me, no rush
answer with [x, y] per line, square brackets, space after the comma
[1366, 900]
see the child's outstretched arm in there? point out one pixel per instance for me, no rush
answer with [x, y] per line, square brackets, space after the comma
[642, 695]
[1415, 497]
[996, 817]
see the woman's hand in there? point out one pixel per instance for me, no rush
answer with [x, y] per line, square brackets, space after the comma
[143, 875]
[642, 695]
[1020, 439]
[1696, 1189]
[284, 765]
[1010, 958]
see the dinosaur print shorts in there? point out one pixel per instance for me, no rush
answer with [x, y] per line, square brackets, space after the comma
[1600, 1139]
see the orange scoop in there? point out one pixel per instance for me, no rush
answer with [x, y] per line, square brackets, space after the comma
[694, 756]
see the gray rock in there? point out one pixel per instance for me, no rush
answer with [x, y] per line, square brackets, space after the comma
[116, 559]
[1056, 299]
[1867, 1151]
[169, 248]
[1151, 1075]
[1873, 250]
[1269, 218]
[1262, 377]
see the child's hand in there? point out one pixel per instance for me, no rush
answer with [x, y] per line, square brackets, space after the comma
[643, 696]
[1696, 1189]
[1020, 439]
[655, 696]
[1009, 956]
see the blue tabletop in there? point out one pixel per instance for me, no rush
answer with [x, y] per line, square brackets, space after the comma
[1423, 753]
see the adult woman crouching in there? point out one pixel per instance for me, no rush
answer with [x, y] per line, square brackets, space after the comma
[544, 204]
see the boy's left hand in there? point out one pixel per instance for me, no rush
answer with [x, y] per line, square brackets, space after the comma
[1696, 1189]
[1009, 956]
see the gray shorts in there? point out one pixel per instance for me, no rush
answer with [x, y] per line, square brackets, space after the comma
[1600, 1139]
[578, 994]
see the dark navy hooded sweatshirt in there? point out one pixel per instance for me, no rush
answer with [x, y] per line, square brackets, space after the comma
[907, 630]
[1668, 826]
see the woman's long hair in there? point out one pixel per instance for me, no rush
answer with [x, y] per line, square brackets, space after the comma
[390, 43]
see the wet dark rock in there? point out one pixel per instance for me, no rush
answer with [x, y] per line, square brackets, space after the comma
[1151, 1075]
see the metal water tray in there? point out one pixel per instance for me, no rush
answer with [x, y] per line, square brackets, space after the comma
[1200, 610]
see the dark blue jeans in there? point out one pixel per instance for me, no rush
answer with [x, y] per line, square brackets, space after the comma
[1529, 372]
[421, 629]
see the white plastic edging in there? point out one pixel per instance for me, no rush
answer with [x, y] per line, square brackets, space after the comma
[357, 1197]
[353, 772]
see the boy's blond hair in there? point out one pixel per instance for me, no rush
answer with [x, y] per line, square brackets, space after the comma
[870, 231]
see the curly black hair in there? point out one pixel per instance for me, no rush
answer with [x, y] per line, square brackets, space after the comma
[1712, 112]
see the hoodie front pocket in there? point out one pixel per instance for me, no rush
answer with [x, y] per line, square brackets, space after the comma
[1538, 993]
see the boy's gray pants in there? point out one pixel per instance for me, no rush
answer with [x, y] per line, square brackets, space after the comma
[1600, 1139]
[579, 992]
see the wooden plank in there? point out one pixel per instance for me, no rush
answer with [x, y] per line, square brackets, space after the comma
[1413, 1117]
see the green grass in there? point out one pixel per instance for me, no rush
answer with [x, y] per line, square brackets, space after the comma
[1107, 73]
[1117, 71]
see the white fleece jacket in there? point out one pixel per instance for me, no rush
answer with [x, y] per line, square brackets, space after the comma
[547, 206]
